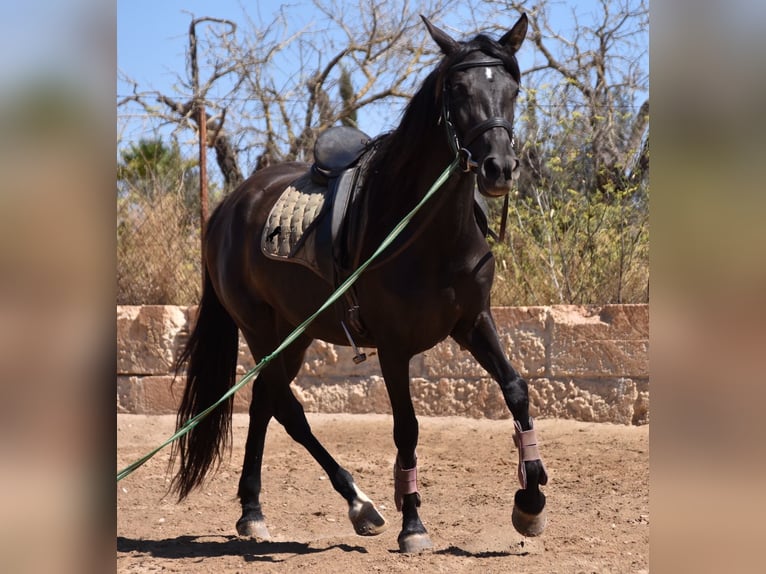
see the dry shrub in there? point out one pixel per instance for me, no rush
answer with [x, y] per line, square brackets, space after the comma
[578, 249]
[158, 255]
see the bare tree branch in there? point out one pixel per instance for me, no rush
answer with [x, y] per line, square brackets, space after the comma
[265, 107]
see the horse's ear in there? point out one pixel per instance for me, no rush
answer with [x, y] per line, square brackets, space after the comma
[515, 36]
[447, 44]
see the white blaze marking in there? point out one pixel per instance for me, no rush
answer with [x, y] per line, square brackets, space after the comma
[488, 72]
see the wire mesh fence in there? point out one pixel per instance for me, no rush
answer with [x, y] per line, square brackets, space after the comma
[158, 250]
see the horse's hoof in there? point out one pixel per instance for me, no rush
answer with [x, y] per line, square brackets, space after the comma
[529, 524]
[414, 543]
[248, 528]
[367, 520]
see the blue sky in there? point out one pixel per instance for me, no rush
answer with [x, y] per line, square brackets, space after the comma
[152, 38]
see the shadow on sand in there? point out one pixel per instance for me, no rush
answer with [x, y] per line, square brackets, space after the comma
[456, 551]
[204, 547]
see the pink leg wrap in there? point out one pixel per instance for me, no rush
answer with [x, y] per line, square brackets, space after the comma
[526, 442]
[405, 482]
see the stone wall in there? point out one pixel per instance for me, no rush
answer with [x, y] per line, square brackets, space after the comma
[588, 363]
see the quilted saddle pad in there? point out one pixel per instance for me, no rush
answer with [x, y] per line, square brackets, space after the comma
[289, 233]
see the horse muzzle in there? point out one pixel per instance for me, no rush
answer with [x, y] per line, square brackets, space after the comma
[495, 175]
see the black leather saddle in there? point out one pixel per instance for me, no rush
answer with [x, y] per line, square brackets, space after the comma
[340, 155]
[312, 221]
[336, 153]
[336, 150]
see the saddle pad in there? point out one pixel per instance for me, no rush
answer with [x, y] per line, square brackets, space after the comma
[291, 221]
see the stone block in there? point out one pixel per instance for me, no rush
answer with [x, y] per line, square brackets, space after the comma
[148, 337]
[449, 360]
[129, 395]
[327, 360]
[477, 398]
[354, 395]
[607, 341]
[160, 395]
[522, 332]
[590, 401]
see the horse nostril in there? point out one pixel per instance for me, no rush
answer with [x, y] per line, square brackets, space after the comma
[491, 169]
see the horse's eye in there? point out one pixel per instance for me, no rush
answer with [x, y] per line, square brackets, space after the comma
[460, 91]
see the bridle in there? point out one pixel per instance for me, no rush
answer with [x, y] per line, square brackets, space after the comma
[467, 162]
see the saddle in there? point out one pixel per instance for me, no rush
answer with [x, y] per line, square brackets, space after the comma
[309, 222]
[337, 149]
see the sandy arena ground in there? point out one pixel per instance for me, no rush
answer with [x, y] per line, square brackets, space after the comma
[598, 501]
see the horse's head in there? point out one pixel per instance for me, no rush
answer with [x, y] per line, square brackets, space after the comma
[478, 84]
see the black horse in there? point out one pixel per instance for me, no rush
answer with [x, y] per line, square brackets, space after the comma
[433, 282]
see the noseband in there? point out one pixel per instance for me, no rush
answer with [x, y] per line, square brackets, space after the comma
[467, 163]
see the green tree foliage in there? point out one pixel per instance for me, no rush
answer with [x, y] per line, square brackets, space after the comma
[151, 168]
[578, 230]
[574, 248]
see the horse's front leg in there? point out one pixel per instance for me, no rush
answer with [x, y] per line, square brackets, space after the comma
[480, 338]
[413, 536]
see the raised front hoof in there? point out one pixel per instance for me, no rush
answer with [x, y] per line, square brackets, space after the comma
[367, 520]
[414, 543]
[529, 524]
[248, 528]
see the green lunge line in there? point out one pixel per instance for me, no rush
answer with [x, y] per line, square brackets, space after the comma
[192, 422]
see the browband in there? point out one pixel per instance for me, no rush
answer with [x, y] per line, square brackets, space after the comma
[476, 64]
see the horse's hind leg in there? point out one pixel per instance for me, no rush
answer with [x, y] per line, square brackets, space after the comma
[272, 397]
[252, 523]
[262, 339]
[362, 513]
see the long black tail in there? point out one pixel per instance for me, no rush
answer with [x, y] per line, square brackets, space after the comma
[211, 358]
